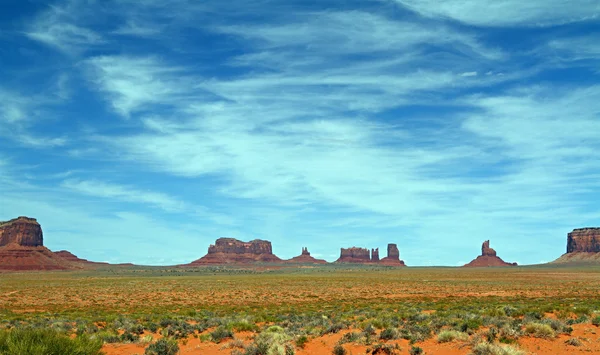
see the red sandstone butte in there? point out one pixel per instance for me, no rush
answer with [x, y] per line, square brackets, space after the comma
[356, 255]
[393, 256]
[488, 258]
[21, 247]
[583, 246]
[23, 231]
[233, 251]
[305, 258]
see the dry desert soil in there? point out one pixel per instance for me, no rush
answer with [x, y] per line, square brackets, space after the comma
[311, 310]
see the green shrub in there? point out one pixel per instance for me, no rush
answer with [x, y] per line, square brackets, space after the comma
[446, 336]
[221, 333]
[339, 350]
[162, 347]
[47, 342]
[415, 350]
[386, 349]
[539, 330]
[596, 321]
[301, 341]
[273, 341]
[243, 326]
[351, 337]
[388, 334]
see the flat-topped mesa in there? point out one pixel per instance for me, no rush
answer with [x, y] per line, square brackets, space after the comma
[584, 240]
[22, 247]
[305, 258]
[23, 231]
[583, 247]
[393, 256]
[354, 255]
[234, 246]
[488, 258]
[233, 251]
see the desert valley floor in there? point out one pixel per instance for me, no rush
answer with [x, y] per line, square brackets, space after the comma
[315, 309]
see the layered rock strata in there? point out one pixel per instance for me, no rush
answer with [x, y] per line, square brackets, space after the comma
[233, 251]
[583, 246]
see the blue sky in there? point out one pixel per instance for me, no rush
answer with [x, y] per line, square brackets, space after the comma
[141, 131]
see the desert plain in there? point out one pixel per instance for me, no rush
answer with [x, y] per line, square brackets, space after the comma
[328, 309]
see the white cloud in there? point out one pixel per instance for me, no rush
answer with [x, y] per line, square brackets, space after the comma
[507, 13]
[136, 29]
[125, 193]
[58, 27]
[133, 83]
[13, 107]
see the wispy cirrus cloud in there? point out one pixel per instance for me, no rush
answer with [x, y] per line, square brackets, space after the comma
[507, 13]
[59, 27]
[124, 193]
[134, 83]
[430, 125]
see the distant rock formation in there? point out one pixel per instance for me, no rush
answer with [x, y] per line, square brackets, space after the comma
[584, 240]
[67, 255]
[21, 247]
[375, 255]
[393, 256]
[233, 251]
[488, 258]
[356, 255]
[23, 231]
[305, 258]
[583, 246]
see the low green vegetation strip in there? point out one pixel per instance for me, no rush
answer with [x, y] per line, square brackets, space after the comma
[30, 341]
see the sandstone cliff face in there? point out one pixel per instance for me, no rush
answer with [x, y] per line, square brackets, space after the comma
[305, 258]
[486, 250]
[361, 256]
[583, 247]
[21, 248]
[488, 258]
[354, 255]
[233, 251]
[584, 240]
[393, 256]
[22, 231]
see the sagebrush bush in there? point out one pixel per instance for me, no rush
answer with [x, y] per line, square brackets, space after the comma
[492, 349]
[221, 333]
[539, 330]
[163, 347]
[47, 342]
[339, 350]
[273, 341]
[388, 334]
[446, 336]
